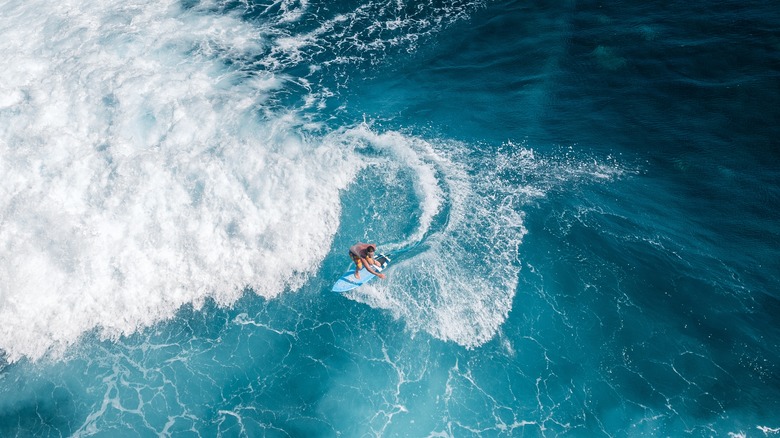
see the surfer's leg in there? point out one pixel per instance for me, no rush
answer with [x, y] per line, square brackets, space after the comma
[358, 264]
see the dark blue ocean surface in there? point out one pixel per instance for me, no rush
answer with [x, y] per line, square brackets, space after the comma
[581, 199]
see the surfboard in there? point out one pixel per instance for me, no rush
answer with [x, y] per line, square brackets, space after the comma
[348, 280]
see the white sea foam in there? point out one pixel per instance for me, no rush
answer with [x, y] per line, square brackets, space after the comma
[460, 285]
[413, 154]
[137, 177]
[363, 35]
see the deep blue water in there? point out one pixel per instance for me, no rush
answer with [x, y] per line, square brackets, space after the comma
[581, 200]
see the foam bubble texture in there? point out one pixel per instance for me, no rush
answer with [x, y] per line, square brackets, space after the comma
[460, 283]
[137, 177]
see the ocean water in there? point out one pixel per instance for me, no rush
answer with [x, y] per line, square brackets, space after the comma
[581, 199]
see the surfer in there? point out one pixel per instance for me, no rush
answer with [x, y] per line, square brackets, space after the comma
[363, 255]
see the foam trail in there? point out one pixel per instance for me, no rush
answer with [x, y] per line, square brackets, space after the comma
[459, 286]
[416, 155]
[137, 177]
[461, 281]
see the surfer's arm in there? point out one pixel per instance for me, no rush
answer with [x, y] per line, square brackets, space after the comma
[371, 270]
[372, 261]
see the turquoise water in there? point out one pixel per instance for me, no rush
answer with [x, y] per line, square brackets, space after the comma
[581, 200]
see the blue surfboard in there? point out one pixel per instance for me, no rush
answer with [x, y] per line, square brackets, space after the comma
[348, 280]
